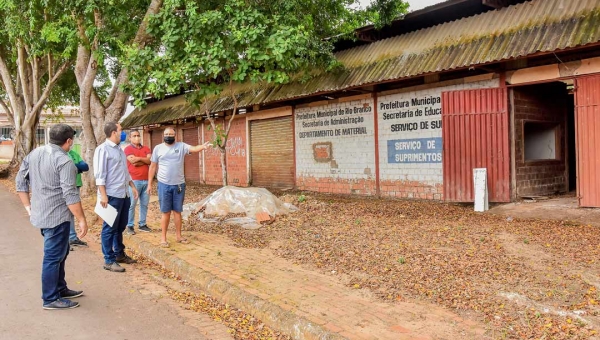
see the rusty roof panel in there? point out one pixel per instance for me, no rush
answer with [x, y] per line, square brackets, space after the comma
[507, 33]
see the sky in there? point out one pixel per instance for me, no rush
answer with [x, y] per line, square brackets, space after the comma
[414, 4]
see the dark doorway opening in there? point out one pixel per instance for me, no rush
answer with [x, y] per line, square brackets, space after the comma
[541, 112]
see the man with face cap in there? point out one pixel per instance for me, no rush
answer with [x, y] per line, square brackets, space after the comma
[112, 179]
[168, 157]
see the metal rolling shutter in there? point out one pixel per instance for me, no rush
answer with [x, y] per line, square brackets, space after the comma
[191, 165]
[272, 152]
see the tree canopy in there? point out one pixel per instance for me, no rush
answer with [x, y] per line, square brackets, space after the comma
[36, 50]
[202, 46]
[205, 47]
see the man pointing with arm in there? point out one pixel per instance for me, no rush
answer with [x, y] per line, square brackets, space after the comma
[167, 163]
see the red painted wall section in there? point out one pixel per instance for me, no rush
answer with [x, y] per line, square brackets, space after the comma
[475, 133]
[237, 168]
[337, 185]
[411, 189]
[193, 170]
[587, 124]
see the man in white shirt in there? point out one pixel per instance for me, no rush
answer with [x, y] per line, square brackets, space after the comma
[112, 179]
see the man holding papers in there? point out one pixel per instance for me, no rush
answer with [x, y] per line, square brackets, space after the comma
[112, 178]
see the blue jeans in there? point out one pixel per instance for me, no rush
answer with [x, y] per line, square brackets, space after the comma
[56, 250]
[170, 197]
[112, 237]
[140, 186]
[72, 232]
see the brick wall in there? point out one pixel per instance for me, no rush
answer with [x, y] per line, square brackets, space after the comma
[237, 169]
[540, 103]
[146, 138]
[335, 146]
[410, 138]
[192, 166]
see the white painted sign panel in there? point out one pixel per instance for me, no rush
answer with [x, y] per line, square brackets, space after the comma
[336, 140]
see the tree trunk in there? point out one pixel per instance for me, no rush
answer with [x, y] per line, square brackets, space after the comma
[223, 151]
[94, 113]
[26, 97]
[24, 142]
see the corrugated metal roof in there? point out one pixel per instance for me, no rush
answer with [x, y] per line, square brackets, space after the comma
[508, 33]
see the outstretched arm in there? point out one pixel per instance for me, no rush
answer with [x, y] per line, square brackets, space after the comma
[199, 148]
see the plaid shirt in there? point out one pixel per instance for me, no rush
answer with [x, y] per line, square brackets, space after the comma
[49, 174]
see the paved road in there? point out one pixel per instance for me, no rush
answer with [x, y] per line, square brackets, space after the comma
[115, 305]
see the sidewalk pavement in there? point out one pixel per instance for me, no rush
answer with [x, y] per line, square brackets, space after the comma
[114, 306]
[304, 303]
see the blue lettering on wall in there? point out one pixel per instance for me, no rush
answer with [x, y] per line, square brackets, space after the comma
[417, 150]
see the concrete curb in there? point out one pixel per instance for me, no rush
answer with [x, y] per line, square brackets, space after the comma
[271, 314]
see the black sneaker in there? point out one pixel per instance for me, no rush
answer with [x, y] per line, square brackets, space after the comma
[78, 243]
[114, 267]
[145, 229]
[130, 231]
[70, 294]
[61, 304]
[125, 259]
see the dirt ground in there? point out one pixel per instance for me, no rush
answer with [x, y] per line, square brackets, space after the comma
[525, 278]
[238, 324]
[565, 208]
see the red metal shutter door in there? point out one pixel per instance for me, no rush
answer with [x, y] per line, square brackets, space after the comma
[272, 152]
[475, 135]
[191, 165]
[587, 125]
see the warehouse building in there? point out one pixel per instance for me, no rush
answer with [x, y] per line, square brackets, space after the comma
[508, 85]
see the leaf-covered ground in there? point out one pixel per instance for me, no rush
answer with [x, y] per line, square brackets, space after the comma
[241, 326]
[527, 279]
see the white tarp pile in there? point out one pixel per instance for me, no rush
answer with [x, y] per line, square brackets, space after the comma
[234, 200]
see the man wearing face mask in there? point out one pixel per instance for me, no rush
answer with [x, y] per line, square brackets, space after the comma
[112, 178]
[168, 157]
[138, 157]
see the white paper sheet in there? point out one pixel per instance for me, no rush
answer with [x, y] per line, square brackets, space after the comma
[108, 214]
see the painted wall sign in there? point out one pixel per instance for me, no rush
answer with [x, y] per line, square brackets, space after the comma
[417, 150]
[333, 122]
[410, 123]
[336, 140]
